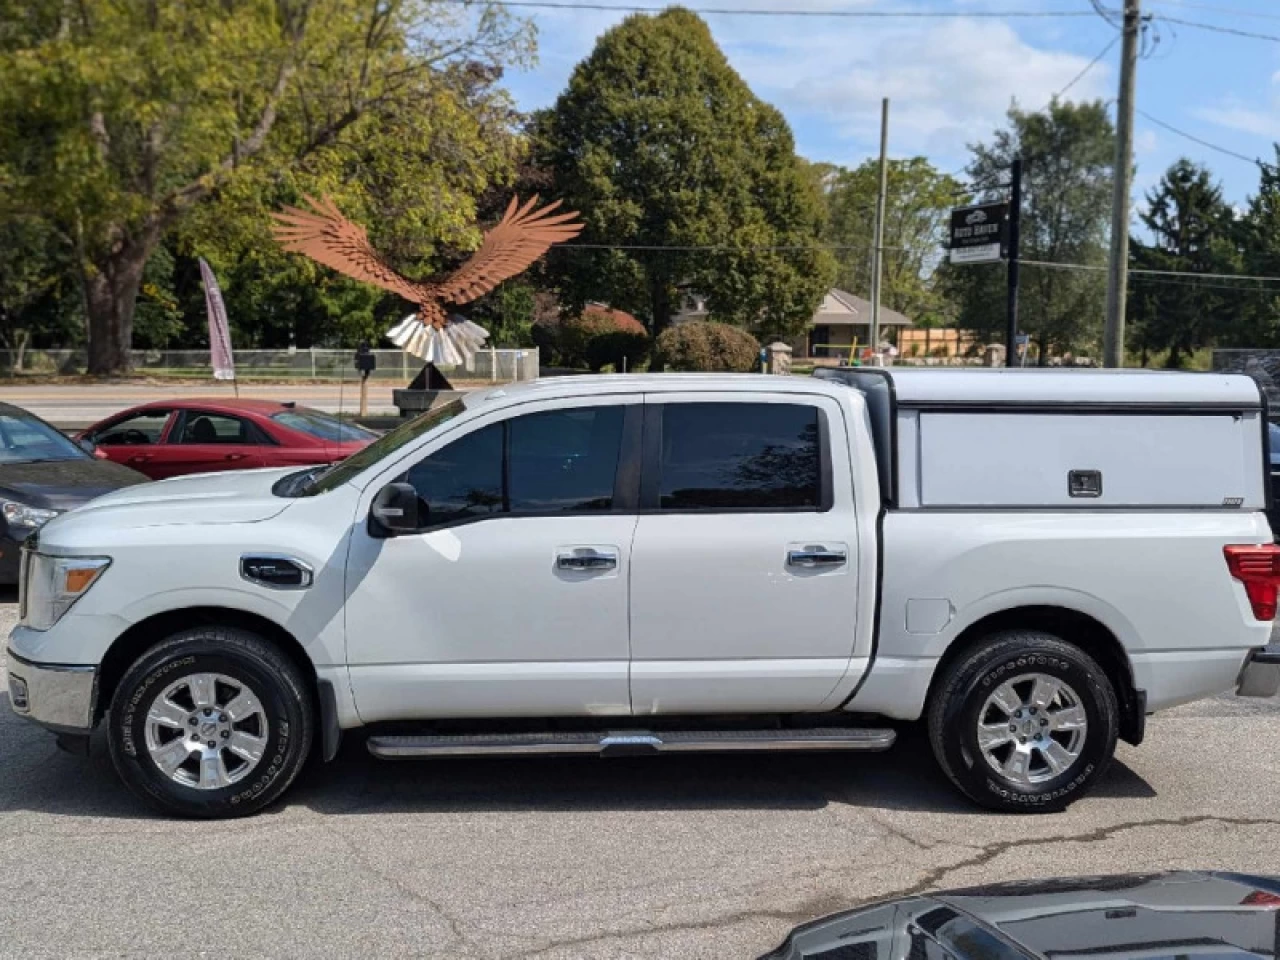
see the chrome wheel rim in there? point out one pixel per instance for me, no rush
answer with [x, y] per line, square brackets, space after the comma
[207, 731]
[1032, 728]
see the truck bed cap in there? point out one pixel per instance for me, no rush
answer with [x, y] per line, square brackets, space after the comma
[1000, 386]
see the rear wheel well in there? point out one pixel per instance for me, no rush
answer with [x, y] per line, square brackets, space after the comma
[1071, 626]
[144, 634]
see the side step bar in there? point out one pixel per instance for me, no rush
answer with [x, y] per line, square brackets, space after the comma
[629, 742]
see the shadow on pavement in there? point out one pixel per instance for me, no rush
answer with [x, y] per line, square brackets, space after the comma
[36, 776]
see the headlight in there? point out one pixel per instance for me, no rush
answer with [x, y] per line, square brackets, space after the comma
[21, 515]
[52, 584]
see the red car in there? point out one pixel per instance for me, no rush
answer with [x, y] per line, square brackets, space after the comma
[198, 436]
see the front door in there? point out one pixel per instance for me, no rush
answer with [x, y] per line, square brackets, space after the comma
[202, 441]
[512, 601]
[744, 566]
[134, 440]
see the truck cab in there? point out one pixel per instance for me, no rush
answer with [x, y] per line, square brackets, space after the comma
[635, 564]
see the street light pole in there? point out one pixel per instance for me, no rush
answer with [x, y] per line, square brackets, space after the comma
[877, 254]
[1118, 268]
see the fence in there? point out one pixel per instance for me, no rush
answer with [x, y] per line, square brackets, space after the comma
[311, 364]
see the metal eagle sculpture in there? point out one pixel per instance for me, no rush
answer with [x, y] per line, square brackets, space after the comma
[519, 238]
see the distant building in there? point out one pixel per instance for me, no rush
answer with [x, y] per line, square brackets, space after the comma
[840, 321]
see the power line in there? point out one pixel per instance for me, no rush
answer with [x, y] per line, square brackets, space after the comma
[1091, 64]
[1092, 268]
[1204, 143]
[781, 12]
[1218, 28]
[1226, 11]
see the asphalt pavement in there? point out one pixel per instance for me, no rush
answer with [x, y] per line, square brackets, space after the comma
[665, 857]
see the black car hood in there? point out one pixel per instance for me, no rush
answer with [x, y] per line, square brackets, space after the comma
[1218, 915]
[63, 484]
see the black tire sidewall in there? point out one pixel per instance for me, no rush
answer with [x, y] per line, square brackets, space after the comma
[206, 651]
[958, 737]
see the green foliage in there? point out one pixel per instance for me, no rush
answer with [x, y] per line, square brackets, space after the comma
[707, 347]
[119, 120]
[1068, 152]
[595, 338]
[1192, 231]
[1258, 323]
[660, 144]
[507, 313]
[917, 211]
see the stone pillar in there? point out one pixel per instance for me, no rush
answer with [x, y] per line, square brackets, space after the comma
[993, 355]
[779, 358]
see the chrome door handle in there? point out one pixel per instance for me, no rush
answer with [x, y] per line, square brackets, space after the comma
[816, 557]
[586, 560]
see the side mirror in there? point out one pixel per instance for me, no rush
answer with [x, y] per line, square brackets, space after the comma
[394, 511]
[91, 448]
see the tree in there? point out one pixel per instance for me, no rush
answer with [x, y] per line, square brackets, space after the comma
[917, 210]
[662, 146]
[1067, 154]
[1259, 234]
[1192, 231]
[117, 120]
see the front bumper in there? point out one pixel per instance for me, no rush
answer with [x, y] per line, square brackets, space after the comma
[59, 697]
[1261, 674]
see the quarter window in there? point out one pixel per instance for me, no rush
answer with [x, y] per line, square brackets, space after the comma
[542, 463]
[740, 456]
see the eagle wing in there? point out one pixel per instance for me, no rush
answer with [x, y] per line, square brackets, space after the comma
[520, 237]
[326, 236]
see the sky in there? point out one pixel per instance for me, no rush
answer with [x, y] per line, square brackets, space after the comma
[951, 80]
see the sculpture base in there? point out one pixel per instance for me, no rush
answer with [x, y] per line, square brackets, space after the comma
[410, 403]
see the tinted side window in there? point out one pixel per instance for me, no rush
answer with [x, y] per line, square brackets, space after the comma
[462, 479]
[564, 459]
[200, 427]
[740, 456]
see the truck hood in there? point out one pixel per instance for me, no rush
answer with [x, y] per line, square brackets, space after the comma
[204, 498]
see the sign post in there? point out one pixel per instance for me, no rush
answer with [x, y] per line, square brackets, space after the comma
[988, 233]
[366, 363]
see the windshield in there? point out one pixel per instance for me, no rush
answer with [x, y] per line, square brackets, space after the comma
[385, 445]
[323, 426]
[24, 439]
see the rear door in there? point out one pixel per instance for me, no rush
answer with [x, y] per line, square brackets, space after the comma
[744, 563]
[204, 441]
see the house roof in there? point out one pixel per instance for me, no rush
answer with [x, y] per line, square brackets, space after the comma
[840, 308]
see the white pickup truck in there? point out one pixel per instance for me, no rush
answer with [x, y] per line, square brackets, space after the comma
[1031, 560]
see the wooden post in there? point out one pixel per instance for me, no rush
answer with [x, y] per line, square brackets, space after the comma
[364, 395]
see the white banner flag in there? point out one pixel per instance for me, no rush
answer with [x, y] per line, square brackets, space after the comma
[224, 365]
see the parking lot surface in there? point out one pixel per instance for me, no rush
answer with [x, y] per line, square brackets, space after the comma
[672, 857]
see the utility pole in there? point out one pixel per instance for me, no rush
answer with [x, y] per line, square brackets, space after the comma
[1015, 237]
[1118, 269]
[877, 251]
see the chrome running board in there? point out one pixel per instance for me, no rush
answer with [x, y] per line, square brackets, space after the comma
[629, 742]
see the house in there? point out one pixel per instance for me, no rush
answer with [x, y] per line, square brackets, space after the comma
[840, 321]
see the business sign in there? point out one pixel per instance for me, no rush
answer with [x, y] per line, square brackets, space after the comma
[978, 233]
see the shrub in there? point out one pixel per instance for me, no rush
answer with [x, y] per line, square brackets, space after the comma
[600, 336]
[708, 347]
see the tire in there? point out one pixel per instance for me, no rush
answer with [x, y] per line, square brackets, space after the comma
[211, 686]
[1033, 775]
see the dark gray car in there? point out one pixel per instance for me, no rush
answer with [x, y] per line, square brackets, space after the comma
[1190, 914]
[44, 473]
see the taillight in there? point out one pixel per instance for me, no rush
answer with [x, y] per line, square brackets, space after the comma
[1261, 898]
[1257, 566]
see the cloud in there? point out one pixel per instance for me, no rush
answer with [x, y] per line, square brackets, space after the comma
[950, 81]
[1234, 115]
